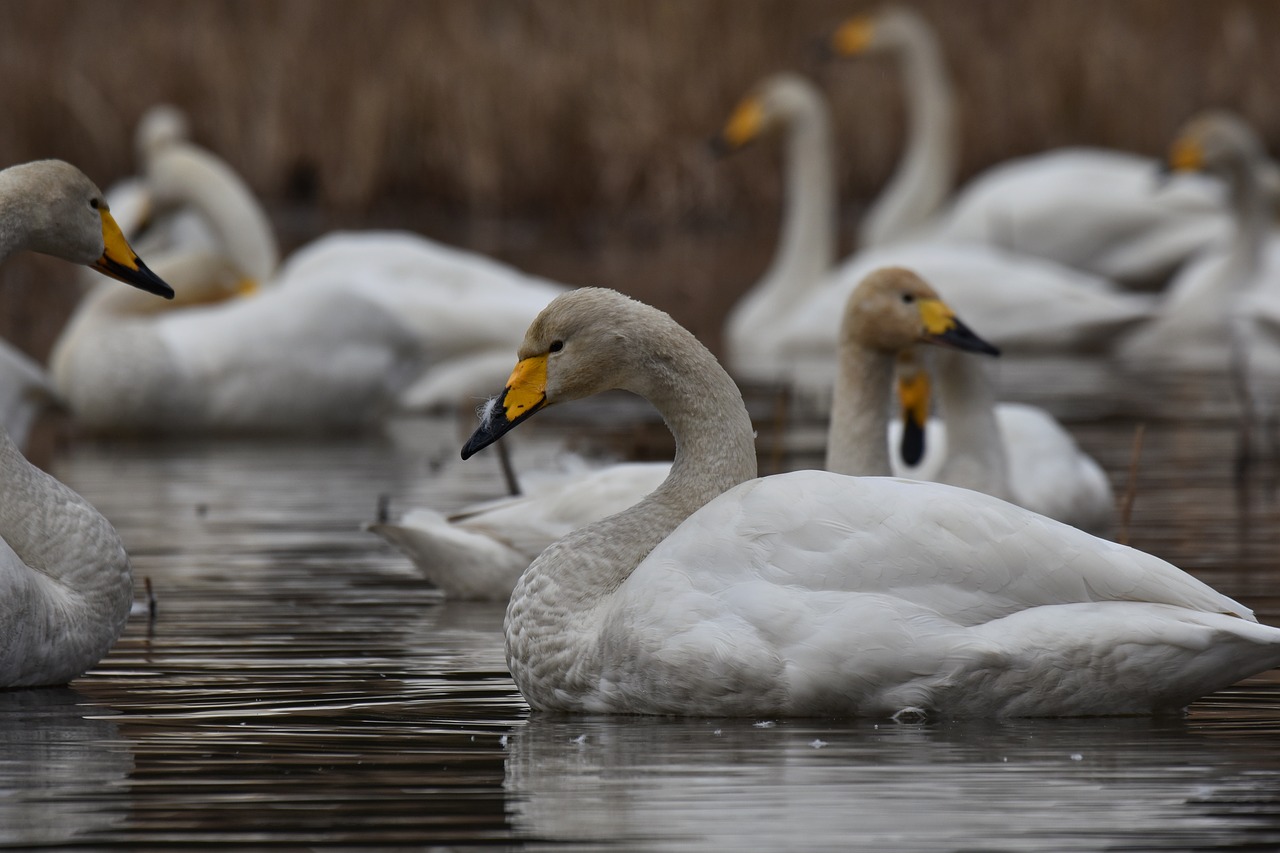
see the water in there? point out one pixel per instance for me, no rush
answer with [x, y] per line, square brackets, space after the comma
[300, 688]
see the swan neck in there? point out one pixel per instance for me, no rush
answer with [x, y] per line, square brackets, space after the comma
[925, 176]
[856, 442]
[975, 448]
[1249, 208]
[807, 242]
[556, 611]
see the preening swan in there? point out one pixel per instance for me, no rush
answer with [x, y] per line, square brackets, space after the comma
[1091, 209]
[1011, 450]
[814, 593]
[785, 328]
[65, 584]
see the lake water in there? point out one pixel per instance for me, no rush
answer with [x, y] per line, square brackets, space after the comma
[301, 688]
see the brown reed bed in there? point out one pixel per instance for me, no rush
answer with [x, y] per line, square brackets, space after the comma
[581, 112]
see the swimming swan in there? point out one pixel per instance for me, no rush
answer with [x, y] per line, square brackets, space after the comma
[1087, 208]
[785, 329]
[819, 594]
[65, 583]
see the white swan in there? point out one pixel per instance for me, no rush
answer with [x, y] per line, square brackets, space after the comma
[481, 550]
[352, 327]
[814, 593]
[786, 327]
[1092, 209]
[1010, 450]
[1225, 295]
[197, 201]
[65, 584]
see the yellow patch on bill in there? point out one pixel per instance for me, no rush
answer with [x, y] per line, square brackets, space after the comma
[938, 318]
[853, 36]
[1186, 155]
[745, 123]
[526, 390]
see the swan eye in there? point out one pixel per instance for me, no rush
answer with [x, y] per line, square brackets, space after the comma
[556, 346]
[93, 202]
[908, 298]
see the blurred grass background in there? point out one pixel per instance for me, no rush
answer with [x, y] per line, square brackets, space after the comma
[518, 126]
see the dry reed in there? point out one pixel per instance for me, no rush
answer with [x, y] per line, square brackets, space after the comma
[582, 110]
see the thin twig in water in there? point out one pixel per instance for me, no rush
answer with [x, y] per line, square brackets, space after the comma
[508, 470]
[1131, 488]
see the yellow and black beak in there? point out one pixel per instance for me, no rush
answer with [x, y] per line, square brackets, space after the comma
[942, 327]
[913, 396]
[744, 124]
[526, 393]
[121, 263]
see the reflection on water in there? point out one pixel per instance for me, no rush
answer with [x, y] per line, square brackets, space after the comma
[727, 784]
[301, 687]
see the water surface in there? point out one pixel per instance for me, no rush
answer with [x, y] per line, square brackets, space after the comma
[301, 688]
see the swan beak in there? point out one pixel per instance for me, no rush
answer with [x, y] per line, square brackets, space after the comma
[744, 125]
[943, 327]
[526, 393]
[913, 396]
[853, 36]
[121, 263]
[1185, 155]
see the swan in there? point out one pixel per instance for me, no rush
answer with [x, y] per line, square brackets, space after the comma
[785, 329]
[65, 582]
[349, 329]
[1010, 450]
[481, 550]
[197, 201]
[819, 594]
[1227, 293]
[1091, 209]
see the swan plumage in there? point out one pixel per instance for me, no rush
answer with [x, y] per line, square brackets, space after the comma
[1227, 293]
[1013, 451]
[785, 328]
[814, 593]
[1092, 209]
[65, 582]
[479, 551]
[349, 329]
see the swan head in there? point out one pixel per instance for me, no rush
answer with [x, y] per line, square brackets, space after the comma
[775, 101]
[888, 30]
[65, 215]
[584, 342]
[160, 126]
[893, 309]
[1218, 142]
